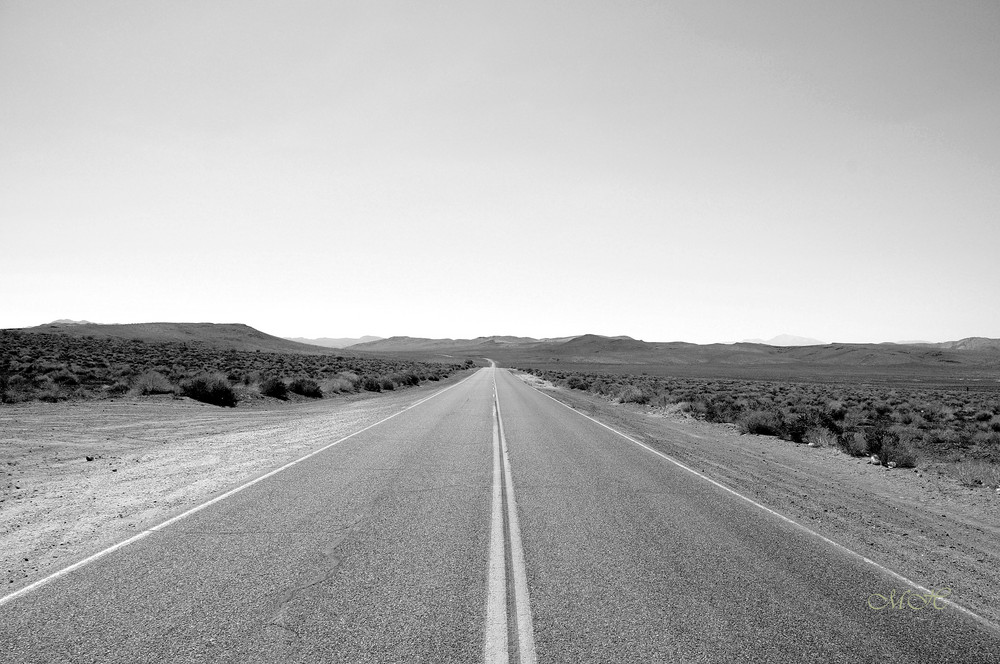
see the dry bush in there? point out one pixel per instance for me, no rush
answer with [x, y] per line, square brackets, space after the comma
[900, 452]
[759, 422]
[632, 394]
[987, 440]
[49, 391]
[349, 376]
[853, 443]
[213, 389]
[151, 382]
[976, 473]
[274, 387]
[338, 384]
[16, 390]
[821, 437]
[307, 387]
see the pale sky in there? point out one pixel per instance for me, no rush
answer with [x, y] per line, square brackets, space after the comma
[696, 171]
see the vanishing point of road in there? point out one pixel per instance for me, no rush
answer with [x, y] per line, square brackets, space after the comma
[485, 523]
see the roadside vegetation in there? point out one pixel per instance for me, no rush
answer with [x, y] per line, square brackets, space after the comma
[56, 367]
[898, 425]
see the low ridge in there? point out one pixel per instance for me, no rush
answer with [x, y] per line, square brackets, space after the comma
[229, 336]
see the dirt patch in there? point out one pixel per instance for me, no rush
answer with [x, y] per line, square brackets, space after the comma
[535, 381]
[80, 476]
[918, 522]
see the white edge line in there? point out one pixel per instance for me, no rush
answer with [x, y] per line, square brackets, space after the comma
[145, 533]
[495, 646]
[896, 575]
[522, 602]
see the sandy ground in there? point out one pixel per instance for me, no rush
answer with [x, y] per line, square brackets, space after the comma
[918, 522]
[78, 477]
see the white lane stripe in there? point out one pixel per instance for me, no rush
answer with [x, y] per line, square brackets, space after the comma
[522, 603]
[958, 607]
[135, 538]
[495, 646]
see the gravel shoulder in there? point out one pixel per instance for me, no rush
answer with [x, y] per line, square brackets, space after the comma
[81, 476]
[919, 522]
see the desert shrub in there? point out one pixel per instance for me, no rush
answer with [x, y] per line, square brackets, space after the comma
[764, 423]
[987, 439]
[274, 387]
[64, 377]
[976, 473]
[250, 378]
[150, 382]
[213, 389]
[794, 429]
[17, 389]
[942, 439]
[350, 376]
[821, 437]
[877, 438]
[371, 384]
[698, 407]
[577, 383]
[387, 384]
[632, 394]
[408, 378]
[118, 387]
[307, 387]
[995, 423]
[725, 408]
[900, 452]
[49, 391]
[886, 443]
[853, 443]
[338, 384]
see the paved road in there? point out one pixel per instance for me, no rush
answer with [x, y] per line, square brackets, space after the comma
[448, 533]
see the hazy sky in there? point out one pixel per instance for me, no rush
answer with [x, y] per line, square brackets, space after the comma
[696, 171]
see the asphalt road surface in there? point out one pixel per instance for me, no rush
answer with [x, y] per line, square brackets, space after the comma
[486, 523]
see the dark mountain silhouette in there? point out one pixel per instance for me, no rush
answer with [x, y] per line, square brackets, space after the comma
[228, 336]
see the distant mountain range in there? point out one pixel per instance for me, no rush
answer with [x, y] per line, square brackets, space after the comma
[786, 340]
[328, 342]
[975, 357]
[66, 321]
[783, 345]
[408, 344]
[970, 358]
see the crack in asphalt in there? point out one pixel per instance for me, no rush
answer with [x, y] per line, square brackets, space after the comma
[331, 563]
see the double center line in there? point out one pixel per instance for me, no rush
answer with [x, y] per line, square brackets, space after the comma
[506, 555]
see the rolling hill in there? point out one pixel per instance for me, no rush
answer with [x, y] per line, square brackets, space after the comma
[975, 358]
[223, 336]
